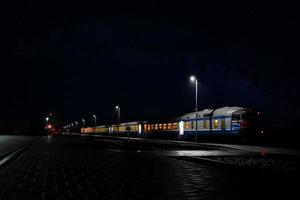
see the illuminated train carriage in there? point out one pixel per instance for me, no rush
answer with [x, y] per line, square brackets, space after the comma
[101, 129]
[132, 128]
[167, 129]
[225, 121]
[95, 130]
[87, 130]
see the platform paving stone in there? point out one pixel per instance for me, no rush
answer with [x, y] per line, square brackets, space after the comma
[76, 168]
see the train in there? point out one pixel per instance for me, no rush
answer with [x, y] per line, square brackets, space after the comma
[224, 121]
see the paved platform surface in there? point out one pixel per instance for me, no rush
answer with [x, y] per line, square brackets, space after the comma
[8, 143]
[70, 167]
[237, 148]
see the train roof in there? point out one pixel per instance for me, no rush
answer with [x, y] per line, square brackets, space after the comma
[198, 113]
[226, 110]
[129, 123]
[216, 112]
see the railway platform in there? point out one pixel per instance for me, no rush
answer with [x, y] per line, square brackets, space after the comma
[72, 167]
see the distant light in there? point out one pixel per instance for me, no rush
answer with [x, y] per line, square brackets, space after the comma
[47, 118]
[193, 78]
[181, 128]
[49, 126]
[264, 152]
[94, 116]
[117, 107]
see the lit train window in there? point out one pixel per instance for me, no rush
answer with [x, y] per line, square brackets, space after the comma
[216, 123]
[169, 126]
[156, 126]
[160, 126]
[187, 125]
[204, 124]
[165, 126]
[175, 125]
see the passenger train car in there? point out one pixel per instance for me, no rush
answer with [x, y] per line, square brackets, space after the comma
[225, 121]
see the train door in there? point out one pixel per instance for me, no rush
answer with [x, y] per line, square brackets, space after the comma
[223, 125]
[235, 122]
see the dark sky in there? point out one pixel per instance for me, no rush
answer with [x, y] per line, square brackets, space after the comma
[77, 59]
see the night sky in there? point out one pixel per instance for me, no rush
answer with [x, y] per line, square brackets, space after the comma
[76, 60]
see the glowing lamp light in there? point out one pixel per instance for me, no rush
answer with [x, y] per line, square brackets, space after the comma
[192, 78]
[49, 126]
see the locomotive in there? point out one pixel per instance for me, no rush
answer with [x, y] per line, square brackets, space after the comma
[225, 121]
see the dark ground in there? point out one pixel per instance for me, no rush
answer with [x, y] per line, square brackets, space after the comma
[70, 167]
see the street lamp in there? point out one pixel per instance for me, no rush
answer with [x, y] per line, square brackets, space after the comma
[83, 123]
[95, 119]
[47, 119]
[194, 79]
[119, 110]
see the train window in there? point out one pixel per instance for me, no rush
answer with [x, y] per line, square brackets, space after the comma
[165, 126]
[160, 126]
[192, 125]
[204, 123]
[216, 123]
[175, 125]
[187, 125]
[156, 126]
[247, 116]
[169, 126]
[236, 117]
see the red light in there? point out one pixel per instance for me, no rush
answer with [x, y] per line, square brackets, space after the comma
[49, 126]
[244, 124]
[263, 152]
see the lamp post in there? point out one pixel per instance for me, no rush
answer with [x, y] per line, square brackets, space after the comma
[83, 123]
[118, 110]
[194, 79]
[95, 119]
